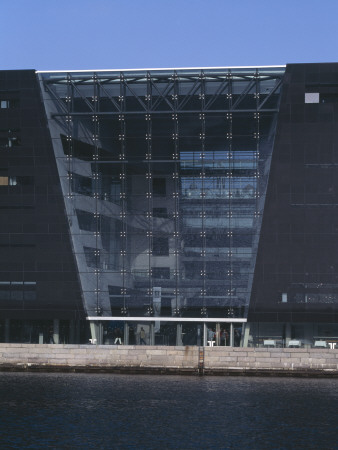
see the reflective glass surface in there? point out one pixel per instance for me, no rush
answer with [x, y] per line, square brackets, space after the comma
[164, 178]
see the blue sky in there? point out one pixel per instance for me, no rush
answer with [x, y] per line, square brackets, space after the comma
[112, 34]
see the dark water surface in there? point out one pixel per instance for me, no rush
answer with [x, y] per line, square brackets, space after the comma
[153, 412]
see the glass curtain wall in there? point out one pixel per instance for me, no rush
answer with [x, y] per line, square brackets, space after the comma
[164, 176]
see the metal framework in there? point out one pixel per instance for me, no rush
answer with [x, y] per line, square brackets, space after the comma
[165, 89]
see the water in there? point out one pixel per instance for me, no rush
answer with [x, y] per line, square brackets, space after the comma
[107, 411]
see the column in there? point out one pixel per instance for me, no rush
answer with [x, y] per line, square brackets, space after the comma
[179, 342]
[71, 332]
[56, 333]
[77, 331]
[100, 337]
[151, 334]
[95, 331]
[287, 333]
[308, 334]
[231, 335]
[218, 334]
[7, 329]
[199, 335]
[126, 334]
[205, 334]
[246, 334]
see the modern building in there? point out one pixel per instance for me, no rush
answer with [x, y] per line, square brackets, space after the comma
[170, 206]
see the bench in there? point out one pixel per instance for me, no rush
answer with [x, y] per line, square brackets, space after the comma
[294, 343]
[320, 344]
[269, 343]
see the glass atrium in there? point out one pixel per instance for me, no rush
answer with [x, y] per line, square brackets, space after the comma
[164, 175]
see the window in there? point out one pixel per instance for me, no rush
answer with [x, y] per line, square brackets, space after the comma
[160, 212]
[9, 138]
[162, 273]
[160, 246]
[81, 185]
[312, 97]
[9, 103]
[92, 257]
[110, 188]
[21, 180]
[87, 221]
[17, 290]
[16, 180]
[322, 93]
[329, 98]
[159, 187]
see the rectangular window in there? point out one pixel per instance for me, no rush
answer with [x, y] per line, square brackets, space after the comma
[29, 295]
[21, 180]
[17, 290]
[16, 180]
[81, 185]
[109, 188]
[87, 221]
[9, 138]
[92, 257]
[160, 212]
[329, 98]
[312, 97]
[17, 295]
[9, 103]
[162, 273]
[160, 246]
[321, 93]
[159, 187]
[5, 294]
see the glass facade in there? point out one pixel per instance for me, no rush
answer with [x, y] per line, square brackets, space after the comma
[164, 177]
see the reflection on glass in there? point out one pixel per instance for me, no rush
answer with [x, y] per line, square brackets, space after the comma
[164, 177]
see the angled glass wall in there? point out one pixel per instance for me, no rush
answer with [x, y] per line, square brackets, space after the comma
[164, 175]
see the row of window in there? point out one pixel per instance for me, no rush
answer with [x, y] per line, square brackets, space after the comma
[109, 188]
[162, 148]
[17, 180]
[198, 214]
[18, 290]
[321, 97]
[9, 103]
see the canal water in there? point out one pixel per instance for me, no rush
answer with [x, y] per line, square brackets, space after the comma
[94, 411]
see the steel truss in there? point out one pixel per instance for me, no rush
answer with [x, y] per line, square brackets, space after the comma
[164, 89]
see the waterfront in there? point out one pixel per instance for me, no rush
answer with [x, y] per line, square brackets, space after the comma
[149, 412]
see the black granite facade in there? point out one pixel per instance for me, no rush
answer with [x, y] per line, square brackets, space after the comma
[38, 278]
[296, 275]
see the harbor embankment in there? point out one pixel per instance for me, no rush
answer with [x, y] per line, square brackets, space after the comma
[166, 360]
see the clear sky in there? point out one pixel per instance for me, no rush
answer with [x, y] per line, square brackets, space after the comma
[114, 34]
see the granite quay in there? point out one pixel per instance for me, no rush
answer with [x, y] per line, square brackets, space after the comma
[190, 360]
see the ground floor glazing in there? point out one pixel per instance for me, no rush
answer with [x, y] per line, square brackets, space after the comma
[171, 332]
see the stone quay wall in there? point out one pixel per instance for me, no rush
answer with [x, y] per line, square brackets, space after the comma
[177, 360]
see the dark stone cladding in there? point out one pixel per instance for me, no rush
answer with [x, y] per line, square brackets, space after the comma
[35, 244]
[298, 248]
